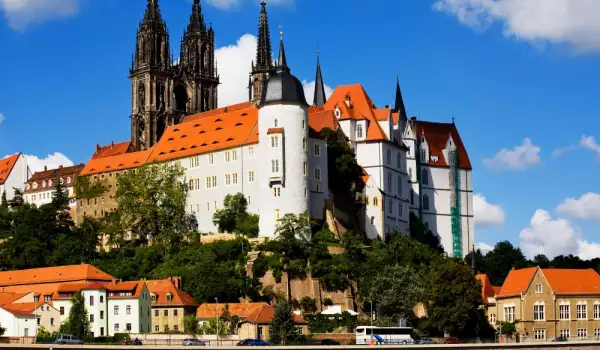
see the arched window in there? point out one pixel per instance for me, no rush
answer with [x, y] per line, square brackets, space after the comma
[426, 202]
[391, 206]
[399, 161]
[399, 186]
[424, 177]
[389, 157]
[423, 156]
[359, 131]
[389, 189]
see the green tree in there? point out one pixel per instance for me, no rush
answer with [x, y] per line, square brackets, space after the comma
[344, 171]
[248, 226]
[151, 202]
[479, 261]
[234, 210]
[282, 329]
[422, 234]
[78, 323]
[191, 325]
[542, 261]
[308, 305]
[3, 201]
[500, 260]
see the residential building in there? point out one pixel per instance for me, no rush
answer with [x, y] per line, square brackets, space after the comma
[129, 308]
[170, 305]
[21, 316]
[39, 189]
[208, 311]
[256, 325]
[96, 304]
[549, 303]
[488, 295]
[14, 173]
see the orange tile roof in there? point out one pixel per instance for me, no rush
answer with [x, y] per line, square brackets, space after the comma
[319, 120]
[116, 163]
[37, 289]
[275, 131]
[82, 272]
[160, 288]
[113, 149]
[6, 166]
[437, 135]
[218, 111]
[21, 309]
[516, 282]
[265, 315]
[496, 289]
[572, 281]
[9, 298]
[487, 290]
[135, 287]
[241, 310]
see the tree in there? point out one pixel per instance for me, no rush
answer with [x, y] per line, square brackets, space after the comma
[151, 202]
[191, 325]
[78, 323]
[395, 290]
[422, 234]
[479, 261]
[3, 201]
[281, 328]
[452, 306]
[500, 260]
[248, 226]
[308, 305]
[542, 261]
[234, 210]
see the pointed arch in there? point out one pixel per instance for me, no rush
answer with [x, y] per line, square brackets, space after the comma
[425, 202]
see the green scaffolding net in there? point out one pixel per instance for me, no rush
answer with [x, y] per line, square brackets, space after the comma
[455, 205]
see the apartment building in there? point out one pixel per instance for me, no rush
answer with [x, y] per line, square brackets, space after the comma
[169, 305]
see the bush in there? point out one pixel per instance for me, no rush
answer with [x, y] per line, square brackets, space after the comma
[118, 338]
[327, 302]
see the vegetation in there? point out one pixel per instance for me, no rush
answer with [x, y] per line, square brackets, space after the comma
[78, 323]
[282, 330]
[234, 217]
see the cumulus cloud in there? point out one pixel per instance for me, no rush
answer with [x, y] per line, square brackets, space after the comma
[52, 161]
[555, 236]
[231, 4]
[2, 118]
[21, 13]
[234, 68]
[487, 214]
[309, 91]
[586, 142]
[586, 207]
[516, 158]
[484, 247]
[571, 22]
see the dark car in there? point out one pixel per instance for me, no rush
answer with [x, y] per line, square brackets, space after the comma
[451, 340]
[426, 341]
[327, 342]
[252, 342]
[559, 339]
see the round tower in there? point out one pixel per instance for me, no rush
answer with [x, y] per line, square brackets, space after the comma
[283, 135]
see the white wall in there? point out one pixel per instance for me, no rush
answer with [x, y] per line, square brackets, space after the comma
[20, 326]
[45, 197]
[99, 310]
[17, 178]
[139, 316]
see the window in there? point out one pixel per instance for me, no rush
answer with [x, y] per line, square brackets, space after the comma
[101, 315]
[91, 318]
[234, 178]
[277, 214]
[227, 157]
[211, 181]
[233, 155]
[597, 333]
[211, 159]
[581, 311]
[538, 312]
[423, 156]
[539, 334]
[582, 333]
[175, 313]
[175, 328]
[425, 177]
[389, 157]
[194, 162]
[304, 144]
[318, 174]
[303, 124]
[116, 327]
[565, 333]
[400, 209]
[26, 332]
[128, 310]
[509, 313]
[52, 321]
[91, 300]
[564, 311]
[48, 298]
[391, 206]
[251, 176]
[153, 296]
[250, 151]
[166, 313]
[128, 327]
[399, 186]
[318, 188]
[596, 311]
[155, 313]
[372, 220]
[116, 310]
[275, 165]
[317, 149]
[305, 193]
[359, 131]
[492, 318]
[426, 202]
[156, 328]
[399, 161]
[274, 141]
[276, 191]
[39, 321]
[305, 168]
[375, 201]
[276, 123]
[227, 179]
[538, 288]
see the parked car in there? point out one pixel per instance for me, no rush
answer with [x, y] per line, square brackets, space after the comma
[252, 342]
[193, 342]
[452, 340]
[327, 342]
[67, 339]
[426, 341]
[559, 339]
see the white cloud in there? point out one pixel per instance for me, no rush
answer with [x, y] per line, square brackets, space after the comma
[21, 13]
[52, 161]
[586, 207]
[309, 91]
[517, 158]
[487, 214]
[2, 118]
[230, 4]
[586, 142]
[234, 68]
[553, 237]
[571, 22]
[484, 247]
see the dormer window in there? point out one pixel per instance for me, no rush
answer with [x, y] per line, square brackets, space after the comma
[35, 185]
[43, 184]
[347, 100]
[338, 113]
[359, 131]
[49, 183]
[153, 298]
[169, 297]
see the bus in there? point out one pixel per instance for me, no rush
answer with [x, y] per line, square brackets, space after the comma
[383, 335]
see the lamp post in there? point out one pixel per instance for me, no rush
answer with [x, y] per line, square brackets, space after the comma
[217, 311]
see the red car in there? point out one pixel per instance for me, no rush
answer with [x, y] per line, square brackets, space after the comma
[451, 340]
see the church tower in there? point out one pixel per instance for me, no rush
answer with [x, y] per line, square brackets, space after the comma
[263, 67]
[196, 78]
[151, 80]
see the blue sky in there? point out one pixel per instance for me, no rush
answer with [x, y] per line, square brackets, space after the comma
[521, 81]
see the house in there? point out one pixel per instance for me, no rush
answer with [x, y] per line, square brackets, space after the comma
[95, 298]
[208, 311]
[129, 308]
[21, 316]
[47, 279]
[14, 172]
[169, 305]
[549, 303]
[256, 325]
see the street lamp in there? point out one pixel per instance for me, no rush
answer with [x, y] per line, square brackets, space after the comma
[217, 311]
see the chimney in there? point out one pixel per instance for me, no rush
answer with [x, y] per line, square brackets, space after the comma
[97, 147]
[413, 118]
[60, 166]
[45, 167]
[112, 144]
[113, 282]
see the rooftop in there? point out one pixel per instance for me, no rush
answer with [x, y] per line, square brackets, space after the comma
[83, 272]
[6, 166]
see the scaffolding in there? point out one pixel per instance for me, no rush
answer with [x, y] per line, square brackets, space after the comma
[455, 210]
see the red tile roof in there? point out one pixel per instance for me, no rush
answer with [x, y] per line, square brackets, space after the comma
[275, 131]
[573, 282]
[6, 166]
[113, 149]
[516, 282]
[81, 273]
[241, 310]
[53, 175]
[9, 298]
[160, 288]
[437, 135]
[265, 315]
[487, 290]
[116, 163]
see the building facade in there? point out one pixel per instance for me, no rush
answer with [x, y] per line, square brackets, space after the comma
[170, 305]
[14, 173]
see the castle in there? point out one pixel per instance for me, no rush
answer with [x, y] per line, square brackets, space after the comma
[270, 148]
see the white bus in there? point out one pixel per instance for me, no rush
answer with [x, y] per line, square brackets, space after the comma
[383, 335]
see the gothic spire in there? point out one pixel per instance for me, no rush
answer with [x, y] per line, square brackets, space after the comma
[282, 61]
[264, 59]
[152, 12]
[399, 106]
[196, 18]
[320, 98]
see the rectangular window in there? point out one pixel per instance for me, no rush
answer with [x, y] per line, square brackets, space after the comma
[116, 310]
[582, 333]
[276, 191]
[304, 144]
[211, 159]
[128, 310]
[596, 311]
[317, 149]
[234, 178]
[227, 157]
[62, 310]
[91, 300]
[251, 176]
[116, 327]
[391, 206]
[582, 311]
[277, 215]
[175, 313]
[597, 333]
[305, 193]
[227, 179]
[538, 313]
[250, 151]
[318, 174]
[274, 141]
[52, 321]
[233, 155]
[565, 333]
[509, 313]
[101, 315]
[538, 288]
[539, 334]
[176, 328]
[101, 299]
[155, 313]
[565, 312]
[400, 209]
[128, 327]
[275, 165]
[197, 184]
[91, 318]
[166, 313]
[156, 328]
